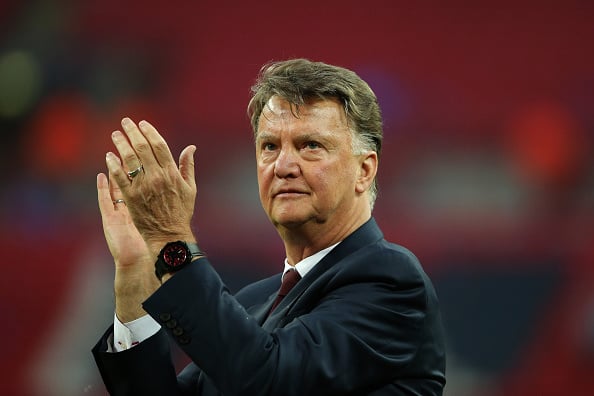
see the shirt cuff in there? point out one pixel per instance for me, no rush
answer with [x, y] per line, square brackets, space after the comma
[130, 334]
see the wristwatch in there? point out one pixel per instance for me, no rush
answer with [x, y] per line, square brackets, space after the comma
[175, 256]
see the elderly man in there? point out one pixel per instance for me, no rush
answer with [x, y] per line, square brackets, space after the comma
[355, 314]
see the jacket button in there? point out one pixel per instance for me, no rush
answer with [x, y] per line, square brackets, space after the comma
[171, 323]
[184, 339]
[164, 317]
[177, 331]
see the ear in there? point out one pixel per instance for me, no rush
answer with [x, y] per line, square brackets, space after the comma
[367, 171]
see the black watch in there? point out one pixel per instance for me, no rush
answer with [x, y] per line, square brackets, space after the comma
[175, 256]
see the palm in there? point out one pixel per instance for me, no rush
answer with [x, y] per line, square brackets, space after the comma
[125, 242]
[123, 239]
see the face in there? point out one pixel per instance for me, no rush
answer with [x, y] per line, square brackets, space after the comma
[307, 171]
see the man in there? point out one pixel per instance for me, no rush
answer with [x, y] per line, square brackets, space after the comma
[362, 320]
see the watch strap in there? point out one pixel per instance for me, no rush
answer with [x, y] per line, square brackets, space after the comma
[194, 249]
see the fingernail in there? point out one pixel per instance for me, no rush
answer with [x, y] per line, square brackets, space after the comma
[112, 157]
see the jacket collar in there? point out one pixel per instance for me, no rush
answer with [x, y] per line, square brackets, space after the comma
[367, 234]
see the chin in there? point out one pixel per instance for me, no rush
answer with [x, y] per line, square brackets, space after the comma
[292, 222]
[289, 220]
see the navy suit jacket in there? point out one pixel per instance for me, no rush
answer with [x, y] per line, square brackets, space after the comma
[364, 321]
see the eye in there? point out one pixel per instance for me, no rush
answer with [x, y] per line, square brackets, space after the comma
[267, 146]
[312, 145]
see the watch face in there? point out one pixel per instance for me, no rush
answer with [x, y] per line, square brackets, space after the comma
[175, 254]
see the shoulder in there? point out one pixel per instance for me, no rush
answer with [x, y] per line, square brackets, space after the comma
[384, 259]
[383, 269]
[367, 253]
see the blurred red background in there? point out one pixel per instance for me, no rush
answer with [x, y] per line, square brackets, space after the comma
[487, 171]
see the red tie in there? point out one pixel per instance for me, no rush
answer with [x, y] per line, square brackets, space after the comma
[290, 279]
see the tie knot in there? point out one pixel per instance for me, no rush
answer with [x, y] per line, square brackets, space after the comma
[290, 279]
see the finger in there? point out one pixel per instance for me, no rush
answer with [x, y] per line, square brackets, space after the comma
[187, 165]
[140, 145]
[104, 196]
[129, 157]
[158, 144]
[117, 198]
[116, 171]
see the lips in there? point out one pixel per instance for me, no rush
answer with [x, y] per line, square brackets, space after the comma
[288, 192]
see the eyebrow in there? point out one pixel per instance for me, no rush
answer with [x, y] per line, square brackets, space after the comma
[322, 137]
[265, 136]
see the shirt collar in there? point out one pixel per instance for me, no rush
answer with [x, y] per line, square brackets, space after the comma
[305, 265]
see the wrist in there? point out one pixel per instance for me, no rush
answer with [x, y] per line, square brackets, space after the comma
[131, 289]
[156, 244]
[174, 256]
[168, 275]
[135, 287]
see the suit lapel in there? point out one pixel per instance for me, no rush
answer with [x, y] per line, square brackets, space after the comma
[257, 298]
[366, 234]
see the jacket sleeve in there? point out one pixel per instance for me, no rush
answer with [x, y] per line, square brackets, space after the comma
[360, 331]
[145, 369]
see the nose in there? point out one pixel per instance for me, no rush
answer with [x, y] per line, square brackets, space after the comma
[287, 164]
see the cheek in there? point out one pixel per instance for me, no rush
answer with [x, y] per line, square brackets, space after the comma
[325, 181]
[264, 175]
[340, 180]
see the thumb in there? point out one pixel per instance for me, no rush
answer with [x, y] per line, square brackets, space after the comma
[186, 165]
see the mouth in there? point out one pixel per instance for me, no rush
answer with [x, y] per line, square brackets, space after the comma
[288, 193]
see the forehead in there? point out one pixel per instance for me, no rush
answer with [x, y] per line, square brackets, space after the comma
[325, 113]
